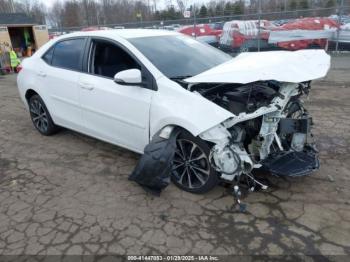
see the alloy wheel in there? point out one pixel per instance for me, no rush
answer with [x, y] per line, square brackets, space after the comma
[39, 115]
[191, 166]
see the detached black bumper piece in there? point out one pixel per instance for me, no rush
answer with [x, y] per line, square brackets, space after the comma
[153, 170]
[291, 126]
[292, 163]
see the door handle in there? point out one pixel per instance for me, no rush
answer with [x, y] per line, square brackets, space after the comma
[41, 73]
[86, 86]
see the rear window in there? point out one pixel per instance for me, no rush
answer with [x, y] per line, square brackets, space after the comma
[68, 54]
[48, 56]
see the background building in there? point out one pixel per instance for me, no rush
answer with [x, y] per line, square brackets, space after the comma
[22, 33]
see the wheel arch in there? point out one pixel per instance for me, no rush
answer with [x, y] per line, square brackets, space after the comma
[168, 129]
[172, 123]
[29, 93]
[165, 131]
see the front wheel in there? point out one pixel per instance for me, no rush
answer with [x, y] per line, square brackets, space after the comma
[192, 171]
[41, 117]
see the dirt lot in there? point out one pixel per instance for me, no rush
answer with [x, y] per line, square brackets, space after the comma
[69, 194]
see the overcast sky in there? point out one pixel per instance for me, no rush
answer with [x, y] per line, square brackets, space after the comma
[160, 4]
[48, 3]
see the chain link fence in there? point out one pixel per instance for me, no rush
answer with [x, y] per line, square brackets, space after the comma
[326, 28]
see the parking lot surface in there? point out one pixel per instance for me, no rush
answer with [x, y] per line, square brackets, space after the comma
[69, 194]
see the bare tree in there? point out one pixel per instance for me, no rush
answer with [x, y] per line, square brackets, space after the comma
[106, 11]
[4, 8]
[33, 8]
[182, 5]
[90, 12]
[55, 14]
[23, 6]
[71, 15]
[155, 5]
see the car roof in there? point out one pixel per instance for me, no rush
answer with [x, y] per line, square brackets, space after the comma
[123, 33]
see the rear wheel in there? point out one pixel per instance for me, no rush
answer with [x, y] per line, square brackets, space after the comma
[41, 117]
[192, 171]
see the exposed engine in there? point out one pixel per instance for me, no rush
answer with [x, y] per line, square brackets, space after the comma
[239, 98]
[242, 99]
[270, 131]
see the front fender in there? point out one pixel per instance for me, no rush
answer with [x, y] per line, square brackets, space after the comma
[174, 105]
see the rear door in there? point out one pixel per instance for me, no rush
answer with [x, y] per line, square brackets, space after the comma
[59, 76]
[116, 113]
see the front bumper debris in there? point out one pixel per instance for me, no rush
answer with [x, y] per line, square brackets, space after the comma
[292, 163]
[291, 126]
[153, 170]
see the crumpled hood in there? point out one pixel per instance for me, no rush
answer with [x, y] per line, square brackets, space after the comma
[282, 66]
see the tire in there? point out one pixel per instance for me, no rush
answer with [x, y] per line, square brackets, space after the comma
[192, 172]
[40, 116]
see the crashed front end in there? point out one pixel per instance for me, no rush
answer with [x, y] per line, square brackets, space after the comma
[265, 125]
[270, 128]
[272, 131]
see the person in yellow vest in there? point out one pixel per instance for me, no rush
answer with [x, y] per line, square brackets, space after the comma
[14, 60]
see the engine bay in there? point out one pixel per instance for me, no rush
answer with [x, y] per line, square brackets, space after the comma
[239, 98]
[272, 125]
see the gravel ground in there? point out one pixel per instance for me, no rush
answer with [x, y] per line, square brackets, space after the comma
[69, 194]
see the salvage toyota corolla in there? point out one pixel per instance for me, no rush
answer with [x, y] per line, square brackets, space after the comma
[198, 115]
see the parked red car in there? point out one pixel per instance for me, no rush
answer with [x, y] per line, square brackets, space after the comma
[293, 35]
[243, 35]
[203, 32]
[304, 33]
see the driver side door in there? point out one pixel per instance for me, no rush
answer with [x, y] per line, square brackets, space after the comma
[113, 112]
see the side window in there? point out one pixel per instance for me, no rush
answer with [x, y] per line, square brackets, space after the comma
[48, 56]
[108, 59]
[68, 54]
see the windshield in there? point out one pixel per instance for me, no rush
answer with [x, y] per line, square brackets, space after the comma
[178, 56]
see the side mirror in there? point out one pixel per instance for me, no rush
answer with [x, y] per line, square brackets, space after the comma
[130, 77]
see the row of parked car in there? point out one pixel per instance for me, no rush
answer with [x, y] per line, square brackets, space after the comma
[247, 35]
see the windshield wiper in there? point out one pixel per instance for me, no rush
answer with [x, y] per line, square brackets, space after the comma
[179, 77]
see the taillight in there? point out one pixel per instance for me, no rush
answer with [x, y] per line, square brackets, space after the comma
[19, 68]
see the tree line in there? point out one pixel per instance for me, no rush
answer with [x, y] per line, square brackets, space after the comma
[77, 13]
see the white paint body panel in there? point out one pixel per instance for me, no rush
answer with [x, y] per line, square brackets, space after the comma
[62, 97]
[129, 116]
[115, 113]
[173, 105]
[282, 66]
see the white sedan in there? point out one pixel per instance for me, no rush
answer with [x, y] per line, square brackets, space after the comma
[128, 87]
